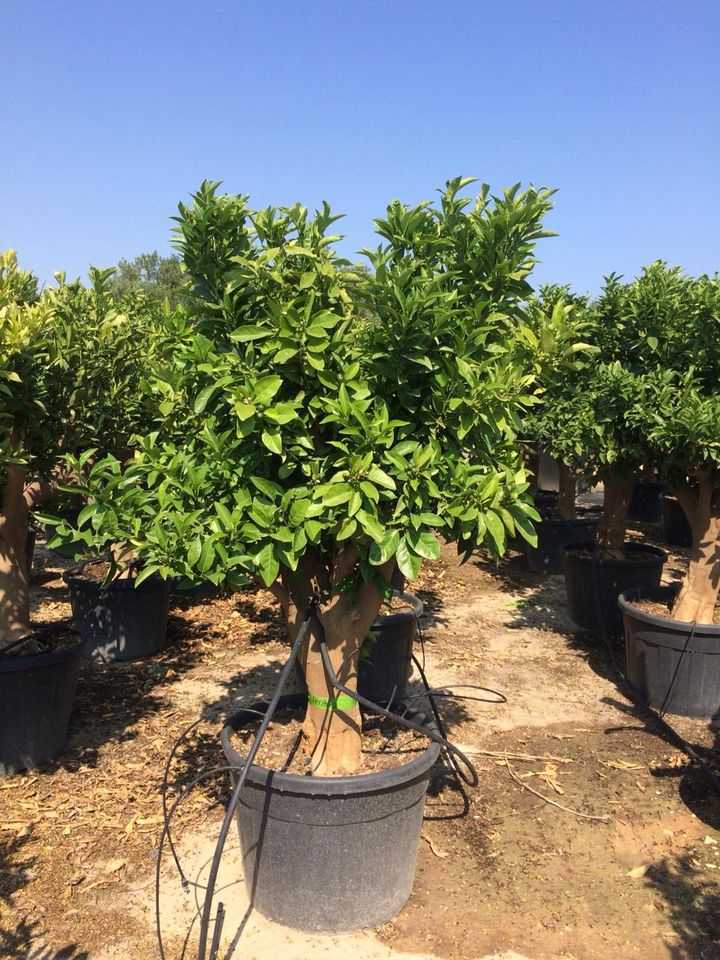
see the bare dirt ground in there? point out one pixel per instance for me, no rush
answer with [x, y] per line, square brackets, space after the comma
[630, 869]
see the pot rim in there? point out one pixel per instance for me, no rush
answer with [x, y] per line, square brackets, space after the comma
[591, 521]
[645, 553]
[415, 611]
[74, 575]
[46, 658]
[328, 787]
[666, 591]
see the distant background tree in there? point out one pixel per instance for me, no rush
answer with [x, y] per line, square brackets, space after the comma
[156, 276]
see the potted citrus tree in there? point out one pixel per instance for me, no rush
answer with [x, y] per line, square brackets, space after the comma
[320, 429]
[672, 641]
[554, 346]
[64, 387]
[595, 418]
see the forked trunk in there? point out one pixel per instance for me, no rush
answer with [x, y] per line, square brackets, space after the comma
[332, 725]
[698, 594]
[611, 533]
[568, 492]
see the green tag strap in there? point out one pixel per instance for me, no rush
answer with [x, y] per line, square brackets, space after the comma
[339, 702]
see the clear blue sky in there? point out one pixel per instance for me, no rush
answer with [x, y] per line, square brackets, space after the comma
[113, 112]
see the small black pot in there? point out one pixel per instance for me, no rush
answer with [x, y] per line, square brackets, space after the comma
[117, 620]
[646, 502]
[677, 529]
[546, 502]
[671, 664]
[553, 534]
[329, 853]
[384, 673]
[36, 697]
[594, 582]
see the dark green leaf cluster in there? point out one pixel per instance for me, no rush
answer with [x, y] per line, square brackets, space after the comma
[649, 394]
[303, 406]
[70, 363]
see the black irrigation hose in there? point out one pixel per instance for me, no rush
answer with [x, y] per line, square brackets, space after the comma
[164, 793]
[186, 792]
[332, 677]
[235, 798]
[455, 757]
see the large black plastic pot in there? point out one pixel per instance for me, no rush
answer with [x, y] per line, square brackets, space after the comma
[36, 697]
[676, 527]
[117, 620]
[672, 664]
[646, 502]
[594, 582]
[329, 853]
[553, 534]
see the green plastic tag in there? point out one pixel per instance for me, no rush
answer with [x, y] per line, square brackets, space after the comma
[340, 702]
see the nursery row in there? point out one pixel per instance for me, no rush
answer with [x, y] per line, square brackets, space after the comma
[322, 426]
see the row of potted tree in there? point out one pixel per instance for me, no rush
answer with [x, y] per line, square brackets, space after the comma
[319, 426]
[642, 402]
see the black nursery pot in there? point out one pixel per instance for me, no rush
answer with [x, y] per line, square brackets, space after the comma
[594, 582]
[117, 620]
[546, 502]
[646, 502]
[329, 854]
[676, 527]
[671, 664]
[553, 534]
[384, 673]
[36, 697]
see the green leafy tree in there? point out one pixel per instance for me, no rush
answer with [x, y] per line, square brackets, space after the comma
[678, 417]
[69, 366]
[553, 345]
[157, 277]
[650, 397]
[318, 427]
[16, 286]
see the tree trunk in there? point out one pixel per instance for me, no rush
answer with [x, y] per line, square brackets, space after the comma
[17, 500]
[568, 492]
[611, 533]
[14, 572]
[331, 729]
[698, 593]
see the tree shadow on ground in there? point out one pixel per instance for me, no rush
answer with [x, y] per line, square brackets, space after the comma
[692, 902]
[268, 617]
[111, 698]
[201, 750]
[24, 941]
